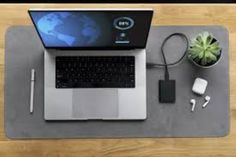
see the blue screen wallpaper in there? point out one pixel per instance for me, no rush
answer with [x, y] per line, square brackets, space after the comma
[89, 29]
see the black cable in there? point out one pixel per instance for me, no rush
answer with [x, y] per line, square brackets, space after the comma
[155, 65]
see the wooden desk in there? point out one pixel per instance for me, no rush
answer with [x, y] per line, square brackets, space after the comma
[164, 15]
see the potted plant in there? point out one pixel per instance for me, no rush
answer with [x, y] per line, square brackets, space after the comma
[204, 50]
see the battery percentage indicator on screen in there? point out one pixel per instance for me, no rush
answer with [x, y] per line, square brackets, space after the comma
[123, 23]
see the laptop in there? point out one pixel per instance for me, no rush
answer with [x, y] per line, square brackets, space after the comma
[94, 62]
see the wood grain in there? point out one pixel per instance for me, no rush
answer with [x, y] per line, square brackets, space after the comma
[172, 14]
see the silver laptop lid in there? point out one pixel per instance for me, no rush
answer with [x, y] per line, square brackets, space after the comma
[92, 28]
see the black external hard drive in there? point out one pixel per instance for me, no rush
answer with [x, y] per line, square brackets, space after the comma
[167, 91]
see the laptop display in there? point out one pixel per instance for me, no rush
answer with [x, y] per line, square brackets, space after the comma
[83, 29]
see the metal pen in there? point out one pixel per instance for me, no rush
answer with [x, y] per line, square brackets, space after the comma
[32, 80]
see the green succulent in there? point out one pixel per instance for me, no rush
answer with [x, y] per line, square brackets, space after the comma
[204, 49]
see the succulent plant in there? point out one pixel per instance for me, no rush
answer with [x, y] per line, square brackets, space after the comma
[204, 49]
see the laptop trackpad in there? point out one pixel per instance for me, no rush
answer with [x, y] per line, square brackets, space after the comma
[95, 103]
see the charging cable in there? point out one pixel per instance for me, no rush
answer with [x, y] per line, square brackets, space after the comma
[167, 87]
[156, 65]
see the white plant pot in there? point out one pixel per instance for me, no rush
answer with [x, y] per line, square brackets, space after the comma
[209, 66]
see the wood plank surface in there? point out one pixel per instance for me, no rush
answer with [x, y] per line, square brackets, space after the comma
[165, 14]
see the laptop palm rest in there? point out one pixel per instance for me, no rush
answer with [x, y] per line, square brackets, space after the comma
[95, 103]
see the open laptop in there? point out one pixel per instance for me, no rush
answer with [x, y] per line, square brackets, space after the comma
[94, 62]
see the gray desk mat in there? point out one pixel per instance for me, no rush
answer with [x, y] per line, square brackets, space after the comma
[23, 51]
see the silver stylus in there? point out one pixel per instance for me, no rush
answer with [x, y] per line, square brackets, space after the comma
[32, 80]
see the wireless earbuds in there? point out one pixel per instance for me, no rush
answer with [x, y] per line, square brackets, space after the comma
[207, 99]
[193, 103]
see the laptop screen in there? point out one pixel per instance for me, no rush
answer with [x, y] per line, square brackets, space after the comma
[93, 29]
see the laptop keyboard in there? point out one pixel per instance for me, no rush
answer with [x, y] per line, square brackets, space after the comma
[95, 72]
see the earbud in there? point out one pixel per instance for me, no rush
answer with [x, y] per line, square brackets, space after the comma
[207, 99]
[193, 103]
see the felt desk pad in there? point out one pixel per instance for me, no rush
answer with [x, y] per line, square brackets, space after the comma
[24, 50]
